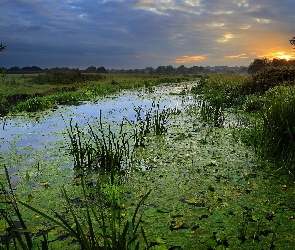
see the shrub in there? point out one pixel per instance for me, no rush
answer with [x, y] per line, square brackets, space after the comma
[267, 78]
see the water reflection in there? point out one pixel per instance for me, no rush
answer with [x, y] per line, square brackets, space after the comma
[32, 132]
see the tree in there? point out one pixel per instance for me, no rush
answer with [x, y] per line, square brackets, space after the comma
[90, 69]
[2, 47]
[2, 70]
[101, 70]
[257, 65]
[292, 41]
[276, 62]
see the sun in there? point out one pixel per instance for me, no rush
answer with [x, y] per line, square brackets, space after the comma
[279, 55]
[286, 57]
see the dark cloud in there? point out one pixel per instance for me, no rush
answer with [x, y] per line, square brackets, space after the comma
[141, 33]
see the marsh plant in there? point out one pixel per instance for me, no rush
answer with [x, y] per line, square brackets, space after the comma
[279, 126]
[150, 121]
[105, 229]
[212, 113]
[99, 148]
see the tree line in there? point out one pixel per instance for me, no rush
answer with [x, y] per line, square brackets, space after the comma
[37, 70]
[259, 64]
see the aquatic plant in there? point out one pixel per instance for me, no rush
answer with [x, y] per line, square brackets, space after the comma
[106, 229]
[279, 126]
[17, 231]
[253, 103]
[99, 148]
[212, 113]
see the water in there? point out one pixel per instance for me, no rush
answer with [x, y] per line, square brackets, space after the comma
[27, 133]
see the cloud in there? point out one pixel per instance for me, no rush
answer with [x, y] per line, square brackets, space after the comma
[189, 59]
[279, 54]
[236, 56]
[141, 33]
[225, 38]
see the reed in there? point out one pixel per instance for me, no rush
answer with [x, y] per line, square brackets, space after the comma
[150, 121]
[212, 114]
[279, 126]
[99, 148]
[104, 229]
[18, 232]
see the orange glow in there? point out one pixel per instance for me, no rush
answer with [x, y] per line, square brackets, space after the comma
[188, 59]
[286, 57]
[236, 56]
[279, 55]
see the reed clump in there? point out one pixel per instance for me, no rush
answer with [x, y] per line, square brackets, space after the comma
[99, 148]
[94, 228]
[269, 96]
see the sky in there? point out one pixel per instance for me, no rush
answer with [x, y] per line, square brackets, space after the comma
[134, 34]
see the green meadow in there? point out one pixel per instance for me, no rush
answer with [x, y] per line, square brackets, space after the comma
[215, 173]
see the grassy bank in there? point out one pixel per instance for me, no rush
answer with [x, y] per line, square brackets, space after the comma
[39, 92]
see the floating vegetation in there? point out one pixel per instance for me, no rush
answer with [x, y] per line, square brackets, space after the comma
[210, 190]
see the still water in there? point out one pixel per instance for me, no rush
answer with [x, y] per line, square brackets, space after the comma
[25, 133]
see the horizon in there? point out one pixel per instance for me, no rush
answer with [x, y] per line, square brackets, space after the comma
[144, 33]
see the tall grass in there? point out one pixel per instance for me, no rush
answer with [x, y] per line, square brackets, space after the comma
[212, 113]
[104, 229]
[279, 126]
[268, 93]
[100, 149]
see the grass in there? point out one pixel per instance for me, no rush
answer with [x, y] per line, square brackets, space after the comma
[210, 191]
[103, 231]
[270, 94]
[38, 92]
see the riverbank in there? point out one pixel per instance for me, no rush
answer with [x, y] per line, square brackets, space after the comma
[39, 92]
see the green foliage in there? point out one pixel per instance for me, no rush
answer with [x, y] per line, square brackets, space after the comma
[100, 230]
[279, 126]
[273, 134]
[257, 65]
[2, 74]
[253, 103]
[270, 92]
[100, 149]
[221, 89]
[209, 192]
[212, 113]
[33, 105]
[267, 78]
[51, 89]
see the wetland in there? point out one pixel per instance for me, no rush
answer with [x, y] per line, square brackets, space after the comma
[156, 167]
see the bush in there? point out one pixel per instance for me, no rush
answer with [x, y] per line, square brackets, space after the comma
[267, 78]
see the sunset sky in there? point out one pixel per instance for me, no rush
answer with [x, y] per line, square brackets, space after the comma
[144, 33]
